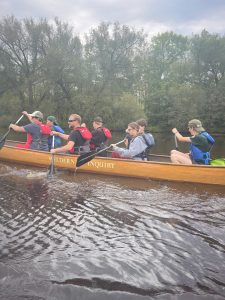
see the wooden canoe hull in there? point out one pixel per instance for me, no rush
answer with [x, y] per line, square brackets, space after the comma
[119, 167]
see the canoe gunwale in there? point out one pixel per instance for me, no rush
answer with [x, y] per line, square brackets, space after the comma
[155, 170]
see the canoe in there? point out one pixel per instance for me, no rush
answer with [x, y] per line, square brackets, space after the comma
[157, 170]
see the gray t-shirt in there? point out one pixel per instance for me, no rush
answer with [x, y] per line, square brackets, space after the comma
[35, 132]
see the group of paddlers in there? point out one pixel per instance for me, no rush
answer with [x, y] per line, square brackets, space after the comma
[138, 141]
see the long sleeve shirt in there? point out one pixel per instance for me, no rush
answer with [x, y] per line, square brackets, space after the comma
[137, 146]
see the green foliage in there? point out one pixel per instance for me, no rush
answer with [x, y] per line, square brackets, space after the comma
[113, 72]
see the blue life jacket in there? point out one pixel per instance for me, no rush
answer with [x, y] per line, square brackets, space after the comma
[198, 155]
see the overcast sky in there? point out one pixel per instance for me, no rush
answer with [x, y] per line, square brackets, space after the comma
[154, 16]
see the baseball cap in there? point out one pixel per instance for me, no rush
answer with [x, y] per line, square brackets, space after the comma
[196, 124]
[52, 119]
[98, 119]
[37, 114]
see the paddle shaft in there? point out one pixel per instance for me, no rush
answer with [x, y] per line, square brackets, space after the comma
[107, 148]
[175, 140]
[6, 134]
[82, 160]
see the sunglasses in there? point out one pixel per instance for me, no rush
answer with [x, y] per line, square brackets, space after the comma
[71, 121]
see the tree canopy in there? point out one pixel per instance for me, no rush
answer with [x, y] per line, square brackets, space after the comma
[114, 71]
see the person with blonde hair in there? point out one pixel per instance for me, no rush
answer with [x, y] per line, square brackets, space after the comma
[200, 141]
[78, 140]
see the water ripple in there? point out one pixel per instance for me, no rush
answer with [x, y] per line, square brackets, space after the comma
[88, 232]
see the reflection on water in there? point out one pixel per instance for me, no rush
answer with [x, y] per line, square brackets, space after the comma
[94, 237]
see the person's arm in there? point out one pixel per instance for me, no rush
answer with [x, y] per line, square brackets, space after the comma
[65, 148]
[136, 147]
[25, 113]
[17, 128]
[60, 134]
[180, 137]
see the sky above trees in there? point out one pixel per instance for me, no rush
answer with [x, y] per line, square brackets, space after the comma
[154, 16]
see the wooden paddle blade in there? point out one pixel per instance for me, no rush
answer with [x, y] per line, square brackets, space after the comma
[51, 171]
[51, 168]
[84, 158]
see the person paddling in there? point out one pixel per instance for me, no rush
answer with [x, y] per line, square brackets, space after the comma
[53, 125]
[37, 132]
[78, 139]
[137, 145]
[200, 141]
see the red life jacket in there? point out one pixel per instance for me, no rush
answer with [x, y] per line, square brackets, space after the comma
[107, 133]
[85, 133]
[45, 129]
[27, 144]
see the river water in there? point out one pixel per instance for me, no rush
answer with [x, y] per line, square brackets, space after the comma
[95, 237]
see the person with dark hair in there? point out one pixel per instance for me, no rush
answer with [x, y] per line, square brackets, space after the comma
[137, 145]
[147, 136]
[54, 126]
[78, 140]
[37, 132]
[200, 141]
[100, 136]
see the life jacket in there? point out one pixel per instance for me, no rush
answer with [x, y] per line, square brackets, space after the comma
[27, 144]
[45, 129]
[86, 135]
[107, 133]
[103, 144]
[141, 155]
[150, 142]
[198, 155]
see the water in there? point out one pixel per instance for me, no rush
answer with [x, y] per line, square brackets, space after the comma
[94, 237]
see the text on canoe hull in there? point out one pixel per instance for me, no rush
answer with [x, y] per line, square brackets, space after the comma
[95, 164]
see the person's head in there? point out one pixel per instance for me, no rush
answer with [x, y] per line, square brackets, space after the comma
[51, 120]
[195, 126]
[133, 129]
[74, 121]
[97, 122]
[37, 116]
[142, 124]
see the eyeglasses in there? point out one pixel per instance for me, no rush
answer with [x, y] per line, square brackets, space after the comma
[69, 121]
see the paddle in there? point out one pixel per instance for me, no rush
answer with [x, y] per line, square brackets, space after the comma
[175, 140]
[3, 139]
[86, 157]
[52, 166]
